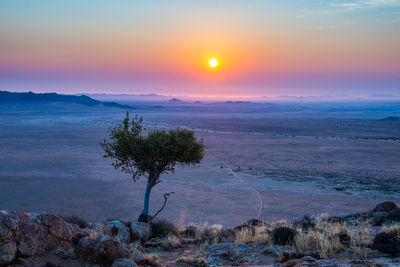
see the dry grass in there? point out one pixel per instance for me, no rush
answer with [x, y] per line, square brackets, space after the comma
[325, 243]
[323, 238]
[248, 235]
[171, 241]
[211, 233]
[392, 229]
[360, 241]
[150, 260]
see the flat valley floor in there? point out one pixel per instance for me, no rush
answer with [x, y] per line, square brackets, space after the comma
[275, 167]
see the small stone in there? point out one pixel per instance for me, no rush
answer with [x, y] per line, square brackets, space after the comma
[308, 258]
[124, 262]
[61, 253]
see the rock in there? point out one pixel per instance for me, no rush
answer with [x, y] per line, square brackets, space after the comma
[140, 231]
[386, 243]
[308, 258]
[393, 216]
[119, 231]
[8, 226]
[385, 206]
[103, 251]
[291, 263]
[30, 236]
[57, 227]
[124, 262]
[7, 252]
[379, 218]
[26, 262]
[137, 255]
[154, 242]
[65, 253]
[226, 253]
[283, 235]
[288, 256]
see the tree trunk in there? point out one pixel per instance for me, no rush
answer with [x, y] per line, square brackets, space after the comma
[147, 197]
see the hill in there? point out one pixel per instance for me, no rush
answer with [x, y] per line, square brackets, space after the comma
[12, 97]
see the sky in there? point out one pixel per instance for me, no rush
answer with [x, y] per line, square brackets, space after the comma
[264, 48]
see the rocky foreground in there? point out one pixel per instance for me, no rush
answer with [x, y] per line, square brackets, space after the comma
[365, 239]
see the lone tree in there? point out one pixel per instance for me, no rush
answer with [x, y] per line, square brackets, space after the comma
[152, 155]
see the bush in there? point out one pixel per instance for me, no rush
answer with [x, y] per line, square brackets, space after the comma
[163, 228]
[82, 223]
[171, 241]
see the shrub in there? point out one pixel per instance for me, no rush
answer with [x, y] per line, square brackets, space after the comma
[256, 234]
[210, 234]
[163, 228]
[392, 229]
[171, 241]
[82, 223]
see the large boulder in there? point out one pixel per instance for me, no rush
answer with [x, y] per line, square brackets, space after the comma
[385, 207]
[119, 231]
[30, 236]
[103, 250]
[140, 231]
[124, 262]
[283, 235]
[386, 243]
[57, 227]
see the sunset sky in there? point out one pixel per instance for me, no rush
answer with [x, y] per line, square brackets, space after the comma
[264, 48]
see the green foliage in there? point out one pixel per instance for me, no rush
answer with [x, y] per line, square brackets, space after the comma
[152, 155]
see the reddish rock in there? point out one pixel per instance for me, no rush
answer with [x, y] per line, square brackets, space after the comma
[58, 228]
[30, 236]
[103, 251]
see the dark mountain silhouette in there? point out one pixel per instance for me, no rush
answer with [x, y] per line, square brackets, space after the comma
[391, 118]
[176, 100]
[11, 97]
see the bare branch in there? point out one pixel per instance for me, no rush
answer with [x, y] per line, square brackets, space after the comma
[166, 196]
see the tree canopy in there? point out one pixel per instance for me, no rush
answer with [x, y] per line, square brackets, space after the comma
[150, 155]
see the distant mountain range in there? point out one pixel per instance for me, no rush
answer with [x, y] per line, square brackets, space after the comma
[11, 97]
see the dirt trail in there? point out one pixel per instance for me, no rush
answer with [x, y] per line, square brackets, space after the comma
[259, 195]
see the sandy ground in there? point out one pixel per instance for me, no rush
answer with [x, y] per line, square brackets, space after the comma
[53, 162]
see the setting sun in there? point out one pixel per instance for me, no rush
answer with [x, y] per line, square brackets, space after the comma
[213, 63]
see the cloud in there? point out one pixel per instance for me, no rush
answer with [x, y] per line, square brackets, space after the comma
[351, 5]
